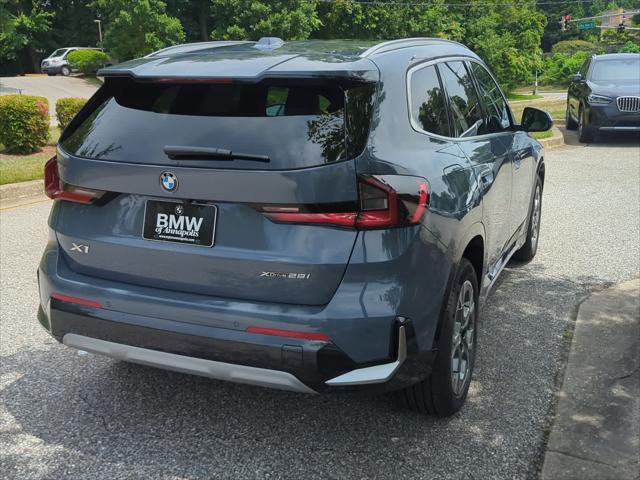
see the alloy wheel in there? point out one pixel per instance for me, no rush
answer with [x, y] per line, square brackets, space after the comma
[463, 338]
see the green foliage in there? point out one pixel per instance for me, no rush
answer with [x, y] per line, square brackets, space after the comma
[630, 47]
[88, 61]
[614, 41]
[252, 19]
[559, 68]
[573, 46]
[508, 39]
[134, 29]
[348, 19]
[22, 25]
[24, 123]
[67, 108]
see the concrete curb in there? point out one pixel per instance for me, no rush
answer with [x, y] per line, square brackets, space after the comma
[596, 431]
[20, 189]
[21, 193]
[556, 141]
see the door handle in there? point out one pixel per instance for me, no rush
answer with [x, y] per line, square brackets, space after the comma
[486, 179]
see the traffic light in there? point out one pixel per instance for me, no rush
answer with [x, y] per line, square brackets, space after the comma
[564, 22]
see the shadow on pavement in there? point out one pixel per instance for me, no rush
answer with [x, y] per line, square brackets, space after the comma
[603, 140]
[89, 416]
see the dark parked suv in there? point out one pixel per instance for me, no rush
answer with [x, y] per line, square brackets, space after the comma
[605, 96]
[311, 216]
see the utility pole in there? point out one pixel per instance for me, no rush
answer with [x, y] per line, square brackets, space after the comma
[99, 30]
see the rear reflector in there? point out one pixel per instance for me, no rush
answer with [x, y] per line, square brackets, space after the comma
[289, 334]
[56, 189]
[76, 300]
[384, 201]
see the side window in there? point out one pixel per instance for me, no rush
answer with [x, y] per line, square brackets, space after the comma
[428, 109]
[495, 106]
[585, 68]
[463, 99]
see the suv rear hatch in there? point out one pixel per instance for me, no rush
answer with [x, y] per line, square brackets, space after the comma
[185, 178]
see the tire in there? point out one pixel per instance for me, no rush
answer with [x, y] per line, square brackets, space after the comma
[570, 122]
[65, 71]
[443, 393]
[51, 74]
[584, 133]
[530, 247]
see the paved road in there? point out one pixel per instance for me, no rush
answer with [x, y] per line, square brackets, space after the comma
[68, 416]
[53, 88]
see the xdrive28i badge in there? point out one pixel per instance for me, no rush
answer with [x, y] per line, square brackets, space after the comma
[169, 181]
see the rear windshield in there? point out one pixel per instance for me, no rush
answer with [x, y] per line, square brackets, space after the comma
[616, 70]
[295, 124]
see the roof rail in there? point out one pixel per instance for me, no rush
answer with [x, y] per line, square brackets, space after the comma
[400, 42]
[195, 46]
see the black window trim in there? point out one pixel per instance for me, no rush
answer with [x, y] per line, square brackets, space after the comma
[461, 58]
[477, 87]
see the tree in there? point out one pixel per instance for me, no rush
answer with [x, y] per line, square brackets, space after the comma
[195, 16]
[349, 19]
[252, 19]
[134, 29]
[512, 45]
[24, 24]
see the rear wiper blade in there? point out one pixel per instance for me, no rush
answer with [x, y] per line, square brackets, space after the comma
[205, 153]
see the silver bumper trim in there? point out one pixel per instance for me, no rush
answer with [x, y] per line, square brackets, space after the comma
[377, 373]
[620, 129]
[196, 366]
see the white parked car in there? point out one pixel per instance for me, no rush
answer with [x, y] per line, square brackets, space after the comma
[58, 63]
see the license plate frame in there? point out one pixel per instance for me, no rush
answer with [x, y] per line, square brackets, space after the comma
[182, 216]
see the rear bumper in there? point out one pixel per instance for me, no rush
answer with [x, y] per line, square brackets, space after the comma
[289, 364]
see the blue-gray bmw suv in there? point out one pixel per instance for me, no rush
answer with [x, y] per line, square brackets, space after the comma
[312, 216]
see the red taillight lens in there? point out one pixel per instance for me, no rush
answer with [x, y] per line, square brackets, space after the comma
[289, 333]
[51, 178]
[384, 201]
[55, 189]
[76, 300]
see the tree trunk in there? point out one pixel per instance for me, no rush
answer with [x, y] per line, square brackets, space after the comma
[203, 16]
[35, 59]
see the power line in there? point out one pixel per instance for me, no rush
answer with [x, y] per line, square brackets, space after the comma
[474, 4]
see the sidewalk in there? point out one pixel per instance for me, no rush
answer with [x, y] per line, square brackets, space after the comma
[596, 432]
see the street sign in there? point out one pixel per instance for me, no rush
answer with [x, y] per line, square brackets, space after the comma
[586, 25]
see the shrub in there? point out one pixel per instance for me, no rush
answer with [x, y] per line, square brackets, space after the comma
[630, 47]
[559, 68]
[24, 123]
[67, 108]
[88, 61]
[573, 46]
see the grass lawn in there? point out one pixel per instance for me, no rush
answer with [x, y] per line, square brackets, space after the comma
[555, 106]
[21, 168]
[522, 96]
[541, 135]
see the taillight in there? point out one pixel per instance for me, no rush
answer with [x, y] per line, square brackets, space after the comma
[384, 201]
[56, 189]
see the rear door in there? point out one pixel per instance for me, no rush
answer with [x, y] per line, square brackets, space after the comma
[191, 168]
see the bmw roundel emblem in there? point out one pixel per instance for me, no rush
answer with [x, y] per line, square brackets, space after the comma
[169, 181]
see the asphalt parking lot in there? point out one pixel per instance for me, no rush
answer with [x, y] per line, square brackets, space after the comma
[53, 88]
[64, 415]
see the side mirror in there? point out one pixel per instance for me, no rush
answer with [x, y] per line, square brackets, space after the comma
[536, 120]
[577, 78]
